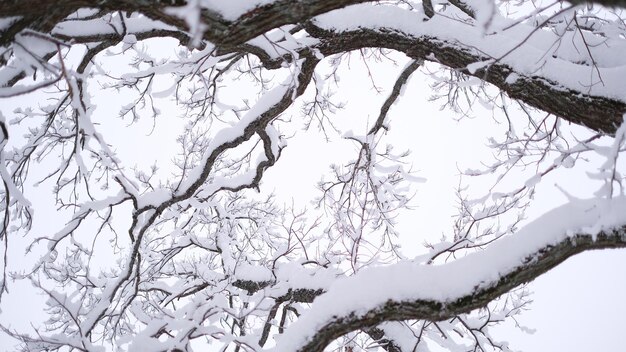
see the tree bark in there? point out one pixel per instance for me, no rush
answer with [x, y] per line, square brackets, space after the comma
[535, 265]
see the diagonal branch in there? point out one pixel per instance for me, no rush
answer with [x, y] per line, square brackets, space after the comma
[395, 93]
[432, 310]
[441, 292]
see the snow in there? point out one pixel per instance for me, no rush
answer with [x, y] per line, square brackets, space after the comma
[81, 214]
[512, 78]
[102, 26]
[233, 9]
[289, 275]
[533, 181]
[129, 40]
[191, 13]
[246, 271]
[154, 198]
[536, 55]
[7, 21]
[276, 141]
[448, 282]
[13, 191]
[280, 42]
[294, 275]
[472, 68]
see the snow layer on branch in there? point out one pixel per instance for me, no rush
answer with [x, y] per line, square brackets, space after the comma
[537, 55]
[26, 54]
[294, 275]
[101, 26]
[233, 9]
[7, 22]
[407, 281]
[280, 42]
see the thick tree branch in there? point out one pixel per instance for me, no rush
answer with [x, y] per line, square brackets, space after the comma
[533, 266]
[597, 113]
[607, 3]
[39, 14]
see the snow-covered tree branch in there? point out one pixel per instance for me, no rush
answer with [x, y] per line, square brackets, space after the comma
[418, 292]
[137, 138]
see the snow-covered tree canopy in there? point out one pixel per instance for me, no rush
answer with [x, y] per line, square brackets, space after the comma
[195, 251]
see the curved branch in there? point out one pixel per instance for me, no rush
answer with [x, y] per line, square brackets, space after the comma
[534, 266]
[598, 113]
